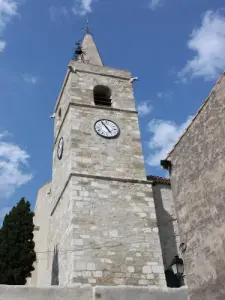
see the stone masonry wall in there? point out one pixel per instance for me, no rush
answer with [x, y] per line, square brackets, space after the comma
[91, 154]
[116, 238]
[41, 221]
[61, 168]
[64, 99]
[167, 222]
[60, 239]
[197, 177]
[102, 221]
[53, 240]
[82, 86]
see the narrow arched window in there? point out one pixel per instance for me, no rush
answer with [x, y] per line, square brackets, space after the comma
[102, 95]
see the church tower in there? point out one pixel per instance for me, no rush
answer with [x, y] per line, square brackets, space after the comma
[96, 221]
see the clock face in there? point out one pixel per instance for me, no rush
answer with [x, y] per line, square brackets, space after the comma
[107, 128]
[60, 148]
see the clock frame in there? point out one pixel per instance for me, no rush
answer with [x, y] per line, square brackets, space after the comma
[107, 129]
[60, 148]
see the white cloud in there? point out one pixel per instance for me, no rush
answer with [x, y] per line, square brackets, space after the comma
[165, 134]
[144, 108]
[153, 4]
[2, 45]
[208, 42]
[164, 94]
[82, 7]
[13, 164]
[57, 12]
[4, 134]
[30, 78]
[8, 10]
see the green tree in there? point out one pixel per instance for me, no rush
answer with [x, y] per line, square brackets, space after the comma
[17, 254]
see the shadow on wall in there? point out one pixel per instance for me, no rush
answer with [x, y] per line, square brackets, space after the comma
[165, 221]
[172, 280]
[55, 267]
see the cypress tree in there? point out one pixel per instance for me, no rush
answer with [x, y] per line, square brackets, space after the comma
[17, 254]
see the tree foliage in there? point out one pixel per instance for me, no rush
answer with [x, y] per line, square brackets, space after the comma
[17, 254]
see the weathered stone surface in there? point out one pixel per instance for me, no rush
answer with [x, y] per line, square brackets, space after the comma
[41, 220]
[133, 293]
[101, 210]
[197, 178]
[56, 293]
[119, 233]
[88, 293]
[167, 222]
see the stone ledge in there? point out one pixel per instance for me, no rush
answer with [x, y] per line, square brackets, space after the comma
[100, 70]
[88, 106]
[45, 293]
[128, 180]
[139, 293]
[104, 108]
[87, 292]
[81, 67]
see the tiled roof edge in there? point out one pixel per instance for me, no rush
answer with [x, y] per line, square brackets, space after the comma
[158, 179]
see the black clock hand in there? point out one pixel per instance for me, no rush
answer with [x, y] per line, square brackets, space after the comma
[106, 127]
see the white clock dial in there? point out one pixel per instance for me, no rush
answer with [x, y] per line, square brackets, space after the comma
[60, 148]
[107, 128]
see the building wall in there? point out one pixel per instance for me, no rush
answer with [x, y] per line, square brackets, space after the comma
[167, 222]
[61, 168]
[115, 233]
[41, 221]
[60, 241]
[100, 183]
[197, 177]
[82, 85]
[91, 154]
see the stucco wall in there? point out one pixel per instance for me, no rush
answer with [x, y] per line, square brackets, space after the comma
[197, 177]
[89, 293]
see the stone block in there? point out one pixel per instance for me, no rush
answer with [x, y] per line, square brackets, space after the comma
[97, 274]
[130, 269]
[80, 266]
[143, 282]
[146, 270]
[78, 242]
[119, 281]
[91, 266]
[113, 233]
[129, 258]
[157, 269]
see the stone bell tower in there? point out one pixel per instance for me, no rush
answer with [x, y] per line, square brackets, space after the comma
[96, 218]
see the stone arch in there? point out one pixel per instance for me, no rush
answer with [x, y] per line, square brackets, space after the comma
[102, 95]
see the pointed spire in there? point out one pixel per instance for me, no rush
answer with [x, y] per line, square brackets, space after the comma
[90, 51]
[87, 52]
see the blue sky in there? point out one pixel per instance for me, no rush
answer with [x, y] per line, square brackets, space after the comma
[176, 48]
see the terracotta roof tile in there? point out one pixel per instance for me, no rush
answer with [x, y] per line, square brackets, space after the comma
[157, 179]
